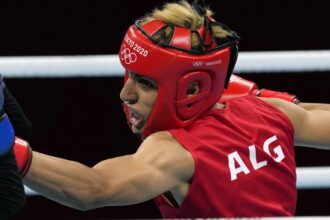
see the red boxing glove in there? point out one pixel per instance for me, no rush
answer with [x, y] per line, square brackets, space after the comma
[23, 155]
[238, 87]
[275, 94]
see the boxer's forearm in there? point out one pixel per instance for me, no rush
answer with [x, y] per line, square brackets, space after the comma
[67, 182]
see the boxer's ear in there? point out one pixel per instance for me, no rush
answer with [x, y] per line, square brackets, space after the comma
[193, 89]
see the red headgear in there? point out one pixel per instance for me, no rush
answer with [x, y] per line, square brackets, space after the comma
[174, 67]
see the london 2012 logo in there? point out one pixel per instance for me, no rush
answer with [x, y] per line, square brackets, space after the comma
[127, 56]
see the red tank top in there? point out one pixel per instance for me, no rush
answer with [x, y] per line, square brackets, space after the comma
[244, 163]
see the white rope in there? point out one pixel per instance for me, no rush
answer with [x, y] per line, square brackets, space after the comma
[284, 61]
[61, 66]
[307, 178]
[109, 65]
[313, 177]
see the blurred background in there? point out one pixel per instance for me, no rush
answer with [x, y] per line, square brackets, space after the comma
[80, 118]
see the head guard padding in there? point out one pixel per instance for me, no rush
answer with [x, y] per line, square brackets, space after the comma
[175, 67]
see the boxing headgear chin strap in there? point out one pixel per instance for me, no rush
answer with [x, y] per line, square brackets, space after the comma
[174, 68]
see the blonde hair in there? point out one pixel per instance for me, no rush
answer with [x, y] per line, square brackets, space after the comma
[182, 14]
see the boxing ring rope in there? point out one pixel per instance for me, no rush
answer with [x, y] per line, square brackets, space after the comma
[109, 66]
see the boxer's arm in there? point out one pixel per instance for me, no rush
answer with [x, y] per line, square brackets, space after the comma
[159, 165]
[311, 124]
[12, 195]
[311, 120]
[314, 106]
[18, 122]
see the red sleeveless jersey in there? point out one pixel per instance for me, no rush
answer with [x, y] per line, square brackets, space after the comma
[244, 163]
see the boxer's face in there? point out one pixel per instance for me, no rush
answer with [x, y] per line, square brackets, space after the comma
[139, 94]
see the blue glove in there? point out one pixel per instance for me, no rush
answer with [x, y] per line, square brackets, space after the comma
[7, 134]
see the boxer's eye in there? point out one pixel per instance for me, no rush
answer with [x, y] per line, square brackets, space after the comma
[147, 83]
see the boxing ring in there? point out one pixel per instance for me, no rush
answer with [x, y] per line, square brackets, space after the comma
[109, 66]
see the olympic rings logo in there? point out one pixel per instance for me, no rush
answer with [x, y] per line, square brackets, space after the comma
[127, 56]
[198, 63]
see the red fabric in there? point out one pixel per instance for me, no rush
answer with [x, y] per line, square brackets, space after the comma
[23, 155]
[216, 191]
[238, 87]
